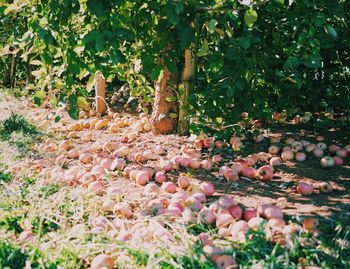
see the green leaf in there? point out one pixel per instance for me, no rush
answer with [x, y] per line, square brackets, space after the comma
[291, 63]
[173, 16]
[82, 102]
[171, 99]
[281, 2]
[331, 31]
[57, 118]
[53, 101]
[212, 24]
[171, 65]
[312, 61]
[230, 91]
[204, 49]
[319, 19]
[155, 73]
[173, 115]
[97, 7]
[114, 55]
[37, 101]
[73, 112]
[250, 17]
[46, 58]
[40, 94]
[91, 82]
[245, 42]
[73, 99]
[187, 37]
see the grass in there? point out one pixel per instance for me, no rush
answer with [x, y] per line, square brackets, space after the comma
[17, 131]
[5, 176]
[54, 211]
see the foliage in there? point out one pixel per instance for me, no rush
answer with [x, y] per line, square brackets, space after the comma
[5, 177]
[17, 123]
[12, 256]
[18, 131]
[254, 56]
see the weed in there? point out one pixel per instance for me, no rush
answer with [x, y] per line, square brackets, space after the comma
[5, 177]
[19, 132]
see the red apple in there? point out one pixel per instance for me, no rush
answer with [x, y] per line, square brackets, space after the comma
[236, 212]
[265, 173]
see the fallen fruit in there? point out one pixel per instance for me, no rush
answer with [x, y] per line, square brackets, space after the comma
[265, 173]
[250, 213]
[236, 212]
[310, 224]
[327, 162]
[338, 161]
[249, 172]
[207, 188]
[287, 155]
[207, 216]
[102, 261]
[305, 189]
[300, 156]
[169, 187]
[325, 187]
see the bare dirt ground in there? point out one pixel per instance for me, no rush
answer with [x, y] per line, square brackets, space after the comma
[248, 193]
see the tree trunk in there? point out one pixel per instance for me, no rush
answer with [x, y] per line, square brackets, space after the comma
[7, 82]
[187, 77]
[12, 70]
[100, 93]
[161, 122]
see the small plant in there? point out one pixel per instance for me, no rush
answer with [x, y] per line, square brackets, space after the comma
[18, 131]
[17, 123]
[5, 177]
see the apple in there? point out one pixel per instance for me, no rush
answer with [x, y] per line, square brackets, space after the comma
[265, 173]
[207, 216]
[322, 146]
[325, 187]
[333, 148]
[273, 150]
[275, 161]
[287, 155]
[217, 159]
[237, 167]
[310, 224]
[226, 201]
[310, 147]
[273, 212]
[249, 172]
[102, 261]
[300, 156]
[250, 213]
[305, 189]
[327, 162]
[207, 188]
[342, 153]
[231, 175]
[236, 212]
[338, 161]
[318, 153]
[224, 219]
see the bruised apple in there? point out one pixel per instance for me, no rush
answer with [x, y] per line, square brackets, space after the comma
[265, 173]
[305, 189]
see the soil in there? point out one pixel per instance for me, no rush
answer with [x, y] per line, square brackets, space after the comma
[248, 192]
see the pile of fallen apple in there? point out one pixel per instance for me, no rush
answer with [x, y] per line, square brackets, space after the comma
[185, 199]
